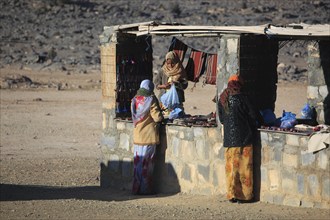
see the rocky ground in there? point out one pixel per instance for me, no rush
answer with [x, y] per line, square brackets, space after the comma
[50, 113]
[64, 34]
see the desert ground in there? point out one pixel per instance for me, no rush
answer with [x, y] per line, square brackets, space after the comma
[50, 157]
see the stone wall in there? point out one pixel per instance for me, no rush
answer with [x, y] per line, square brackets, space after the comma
[289, 175]
[191, 160]
[319, 79]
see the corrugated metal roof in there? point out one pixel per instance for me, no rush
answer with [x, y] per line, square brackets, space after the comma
[292, 31]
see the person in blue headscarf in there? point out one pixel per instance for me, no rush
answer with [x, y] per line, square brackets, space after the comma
[146, 115]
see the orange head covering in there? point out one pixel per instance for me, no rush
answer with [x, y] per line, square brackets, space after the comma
[235, 83]
[233, 78]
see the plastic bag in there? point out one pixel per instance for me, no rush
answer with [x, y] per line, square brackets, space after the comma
[288, 120]
[268, 116]
[306, 112]
[170, 99]
[176, 113]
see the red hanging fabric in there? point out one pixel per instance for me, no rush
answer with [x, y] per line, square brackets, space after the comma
[211, 69]
[195, 65]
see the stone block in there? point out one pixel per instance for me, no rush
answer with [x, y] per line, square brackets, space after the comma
[323, 160]
[213, 134]
[326, 188]
[307, 204]
[313, 50]
[312, 92]
[127, 167]
[121, 126]
[266, 155]
[124, 141]
[301, 183]
[171, 130]
[288, 185]
[215, 178]
[114, 163]
[303, 143]
[109, 141]
[186, 173]
[263, 173]
[291, 201]
[278, 155]
[222, 153]
[313, 185]
[202, 150]
[219, 177]
[109, 104]
[203, 173]
[323, 91]
[176, 146]
[188, 151]
[267, 197]
[232, 63]
[289, 149]
[181, 134]
[307, 159]
[274, 180]
[104, 121]
[216, 149]
[189, 135]
[232, 45]
[264, 138]
[278, 199]
[199, 132]
[276, 140]
[290, 160]
[292, 140]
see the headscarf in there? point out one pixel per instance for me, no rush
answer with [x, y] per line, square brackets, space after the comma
[146, 88]
[177, 71]
[148, 85]
[141, 103]
[234, 86]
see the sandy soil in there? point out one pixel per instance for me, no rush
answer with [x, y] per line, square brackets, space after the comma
[49, 167]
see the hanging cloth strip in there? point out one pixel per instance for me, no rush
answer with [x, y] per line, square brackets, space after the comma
[196, 65]
[211, 69]
[179, 47]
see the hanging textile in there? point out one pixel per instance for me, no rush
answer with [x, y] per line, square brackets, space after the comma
[179, 47]
[211, 69]
[195, 65]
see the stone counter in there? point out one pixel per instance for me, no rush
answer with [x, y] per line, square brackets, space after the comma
[191, 160]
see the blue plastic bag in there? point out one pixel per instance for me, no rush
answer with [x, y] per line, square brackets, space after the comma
[268, 116]
[288, 120]
[306, 112]
[176, 113]
[170, 99]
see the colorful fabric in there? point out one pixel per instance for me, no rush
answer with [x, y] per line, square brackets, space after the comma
[178, 47]
[239, 172]
[140, 108]
[211, 69]
[195, 65]
[144, 162]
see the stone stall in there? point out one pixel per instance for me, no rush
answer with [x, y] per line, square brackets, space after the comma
[190, 159]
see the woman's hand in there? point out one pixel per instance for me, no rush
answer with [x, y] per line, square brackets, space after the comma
[165, 86]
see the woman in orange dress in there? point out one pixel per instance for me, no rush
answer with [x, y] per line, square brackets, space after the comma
[239, 123]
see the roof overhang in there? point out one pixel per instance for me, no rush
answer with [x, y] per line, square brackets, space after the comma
[291, 31]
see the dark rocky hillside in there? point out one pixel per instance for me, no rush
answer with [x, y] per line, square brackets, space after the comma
[64, 34]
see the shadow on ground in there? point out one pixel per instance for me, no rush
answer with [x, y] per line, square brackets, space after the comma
[13, 192]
